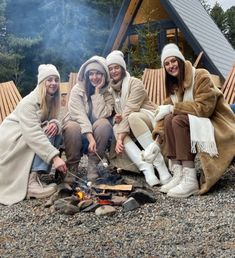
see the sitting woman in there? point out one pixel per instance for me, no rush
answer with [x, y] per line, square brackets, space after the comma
[87, 123]
[194, 119]
[27, 138]
[133, 120]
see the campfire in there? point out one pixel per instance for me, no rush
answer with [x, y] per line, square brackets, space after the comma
[112, 192]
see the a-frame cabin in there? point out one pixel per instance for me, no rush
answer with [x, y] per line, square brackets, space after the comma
[184, 22]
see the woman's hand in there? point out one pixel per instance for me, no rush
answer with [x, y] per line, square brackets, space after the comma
[51, 129]
[119, 143]
[162, 111]
[100, 85]
[118, 118]
[59, 164]
[92, 143]
[119, 146]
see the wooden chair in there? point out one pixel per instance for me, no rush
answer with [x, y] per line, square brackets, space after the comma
[154, 83]
[9, 98]
[228, 87]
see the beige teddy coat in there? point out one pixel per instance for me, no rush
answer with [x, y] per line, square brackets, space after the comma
[208, 102]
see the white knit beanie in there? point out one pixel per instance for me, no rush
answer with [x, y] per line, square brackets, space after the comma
[94, 66]
[116, 57]
[45, 70]
[171, 49]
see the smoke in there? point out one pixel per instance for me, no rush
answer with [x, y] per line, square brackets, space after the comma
[71, 31]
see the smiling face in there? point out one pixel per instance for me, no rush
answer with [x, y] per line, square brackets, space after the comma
[52, 84]
[172, 66]
[95, 77]
[115, 72]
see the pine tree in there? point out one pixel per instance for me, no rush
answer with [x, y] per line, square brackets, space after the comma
[144, 54]
[230, 18]
[218, 15]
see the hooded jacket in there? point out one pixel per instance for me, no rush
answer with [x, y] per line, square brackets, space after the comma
[102, 103]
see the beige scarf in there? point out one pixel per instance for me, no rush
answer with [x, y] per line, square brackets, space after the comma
[202, 133]
[120, 92]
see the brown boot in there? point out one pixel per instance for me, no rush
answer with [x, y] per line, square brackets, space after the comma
[71, 174]
[92, 173]
[38, 190]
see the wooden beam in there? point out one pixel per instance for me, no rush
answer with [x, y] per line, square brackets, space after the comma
[114, 187]
[126, 22]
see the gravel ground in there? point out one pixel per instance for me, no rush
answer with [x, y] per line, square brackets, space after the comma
[199, 226]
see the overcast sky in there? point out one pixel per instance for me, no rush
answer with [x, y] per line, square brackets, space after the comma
[225, 4]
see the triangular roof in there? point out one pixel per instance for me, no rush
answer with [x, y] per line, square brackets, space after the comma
[194, 22]
[9, 98]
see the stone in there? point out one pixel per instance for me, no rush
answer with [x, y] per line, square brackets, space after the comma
[130, 204]
[118, 200]
[92, 207]
[105, 210]
[63, 191]
[64, 207]
[84, 204]
[143, 196]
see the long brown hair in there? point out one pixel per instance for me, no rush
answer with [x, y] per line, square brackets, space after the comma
[49, 110]
[172, 82]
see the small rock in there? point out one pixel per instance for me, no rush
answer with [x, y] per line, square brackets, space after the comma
[64, 207]
[143, 196]
[118, 200]
[130, 204]
[105, 210]
[91, 208]
[84, 204]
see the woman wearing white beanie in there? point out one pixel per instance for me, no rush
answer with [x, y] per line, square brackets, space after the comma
[194, 119]
[133, 119]
[87, 128]
[28, 137]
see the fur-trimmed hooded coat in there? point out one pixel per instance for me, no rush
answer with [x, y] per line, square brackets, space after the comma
[208, 102]
[102, 103]
[21, 138]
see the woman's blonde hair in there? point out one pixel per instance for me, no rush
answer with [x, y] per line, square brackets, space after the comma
[49, 110]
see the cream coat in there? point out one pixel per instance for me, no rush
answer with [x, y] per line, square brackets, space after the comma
[102, 103]
[208, 102]
[137, 99]
[21, 137]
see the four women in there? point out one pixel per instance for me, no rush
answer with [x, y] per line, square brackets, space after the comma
[192, 120]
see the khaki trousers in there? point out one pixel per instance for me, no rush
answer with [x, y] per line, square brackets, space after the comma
[177, 137]
[102, 132]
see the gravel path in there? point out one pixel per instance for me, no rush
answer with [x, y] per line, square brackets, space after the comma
[200, 226]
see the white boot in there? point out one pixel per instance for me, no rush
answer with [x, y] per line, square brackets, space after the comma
[38, 190]
[160, 165]
[134, 153]
[177, 171]
[152, 154]
[188, 185]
